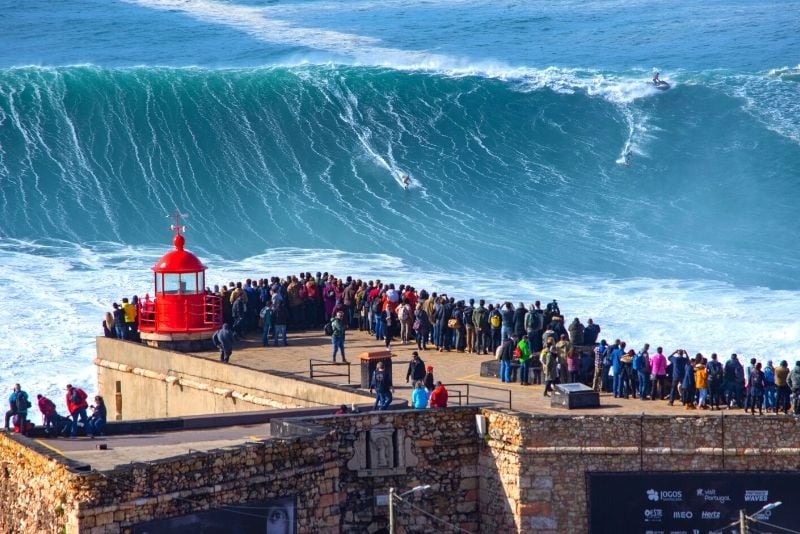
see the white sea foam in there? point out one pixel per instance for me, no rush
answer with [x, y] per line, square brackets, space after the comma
[55, 295]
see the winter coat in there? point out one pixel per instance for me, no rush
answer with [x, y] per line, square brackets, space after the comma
[416, 370]
[419, 398]
[223, 338]
[576, 332]
[77, 401]
[794, 378]
[549, 362]
[438, 398]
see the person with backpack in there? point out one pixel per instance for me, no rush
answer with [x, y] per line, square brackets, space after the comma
[381, 384]
[223, 340]
[469, 326]
[755, 390]
[266, 321]
[600, 356]
[782, 385]
[280, 318]
[506, 356]
[77, 405]
[405, 316]
[641, 364]
[771, 391]
[421, 326]
[480, 319]
[18, 404]
[337, 329]
[495, 325]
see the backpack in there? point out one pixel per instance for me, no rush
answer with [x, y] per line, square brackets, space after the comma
[329, 328]
[75, 397]
[376, 304]
[638, 362]
[380, 380]
[481, 318]
[495, 320]
[404, 313]
[517, 352]
[22, 401]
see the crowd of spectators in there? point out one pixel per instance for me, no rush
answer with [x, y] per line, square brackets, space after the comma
[532, 343]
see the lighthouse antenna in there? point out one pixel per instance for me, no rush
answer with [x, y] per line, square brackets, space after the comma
[178, 228]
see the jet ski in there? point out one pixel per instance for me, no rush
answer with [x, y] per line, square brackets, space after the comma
[661, 85]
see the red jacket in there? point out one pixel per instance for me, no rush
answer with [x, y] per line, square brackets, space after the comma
[438, 397]
[75, 406]
[46, 406]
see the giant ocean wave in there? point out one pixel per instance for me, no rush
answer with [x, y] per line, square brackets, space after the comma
[514, 172]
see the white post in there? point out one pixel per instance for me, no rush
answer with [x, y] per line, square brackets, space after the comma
[391, 510]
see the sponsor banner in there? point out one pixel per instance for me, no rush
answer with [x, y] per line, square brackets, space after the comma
[693, 502]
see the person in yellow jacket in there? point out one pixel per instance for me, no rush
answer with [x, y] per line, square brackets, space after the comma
[130, 318]
[701, 383]
[524, 352]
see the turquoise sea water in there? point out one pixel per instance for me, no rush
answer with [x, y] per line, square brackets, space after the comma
[543, 163]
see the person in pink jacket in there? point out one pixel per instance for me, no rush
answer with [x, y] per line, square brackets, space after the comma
[658, 366]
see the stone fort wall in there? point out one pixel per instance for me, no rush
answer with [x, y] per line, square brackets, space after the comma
[528, 474]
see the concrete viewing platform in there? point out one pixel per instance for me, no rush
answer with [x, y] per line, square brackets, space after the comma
[454, 369]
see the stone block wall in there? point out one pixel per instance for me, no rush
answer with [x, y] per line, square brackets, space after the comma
[533, 468]
[141, 382]
[39, 493]
[528, 474]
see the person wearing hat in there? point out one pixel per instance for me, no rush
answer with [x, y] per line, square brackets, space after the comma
[429, 380]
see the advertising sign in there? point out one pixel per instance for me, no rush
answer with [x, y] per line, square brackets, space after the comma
[692, 502]
[276, 516]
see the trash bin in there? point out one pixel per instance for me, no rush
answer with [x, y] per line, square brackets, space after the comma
[369, 360]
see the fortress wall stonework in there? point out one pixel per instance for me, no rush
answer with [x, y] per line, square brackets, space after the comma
[528, 474]
[542, 462]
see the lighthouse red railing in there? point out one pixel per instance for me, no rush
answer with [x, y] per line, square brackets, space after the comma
[195, 316]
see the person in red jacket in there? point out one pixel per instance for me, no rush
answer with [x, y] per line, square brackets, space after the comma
[48, 409]
[76, 404]
[438, 397]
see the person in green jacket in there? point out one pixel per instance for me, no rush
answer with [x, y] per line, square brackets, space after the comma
[524, 361]
[337, 335]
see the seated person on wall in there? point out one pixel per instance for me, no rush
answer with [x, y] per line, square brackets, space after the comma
[97, 421]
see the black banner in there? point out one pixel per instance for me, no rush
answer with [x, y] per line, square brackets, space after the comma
[693, 502]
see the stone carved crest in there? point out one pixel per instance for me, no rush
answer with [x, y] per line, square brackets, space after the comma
[381, 451]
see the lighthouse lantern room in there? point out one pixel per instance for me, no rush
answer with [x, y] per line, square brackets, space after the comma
[181, 315]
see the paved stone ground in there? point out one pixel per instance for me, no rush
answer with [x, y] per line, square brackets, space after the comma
[449, 367]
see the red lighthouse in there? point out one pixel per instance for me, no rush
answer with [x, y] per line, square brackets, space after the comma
[182, 315]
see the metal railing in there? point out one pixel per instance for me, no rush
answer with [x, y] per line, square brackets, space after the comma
[464, 394]
[210, 311]
[318, 368]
